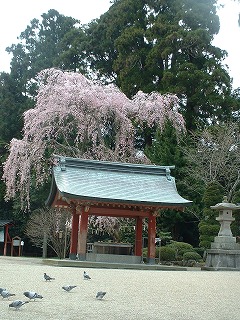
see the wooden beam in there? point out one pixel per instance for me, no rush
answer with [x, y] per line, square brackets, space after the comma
[58, 202]
[62, 202]
[116, 212]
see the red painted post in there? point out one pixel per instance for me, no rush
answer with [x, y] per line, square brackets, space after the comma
[74, 235]
[138, 237]
[82, 236]
[151, 238]
[5, 240]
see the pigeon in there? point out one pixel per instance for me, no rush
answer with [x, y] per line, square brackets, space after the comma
[86, 276]
[68, 288]
[32, 295]
[48, 278]
[17, 304]
[100, 295]
[6, 294]
[1, 290]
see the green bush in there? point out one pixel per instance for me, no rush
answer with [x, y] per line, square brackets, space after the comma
[180, 248]
[191, 255]
[200, 250]
[167, 254]
[209, 230]
[205, 241]
[144, 252]
[157, 252]
[205, 237]
[205, 244]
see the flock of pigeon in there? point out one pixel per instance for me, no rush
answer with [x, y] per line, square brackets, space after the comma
[31, 295]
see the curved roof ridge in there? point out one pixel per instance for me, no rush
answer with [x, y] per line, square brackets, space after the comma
[112, 166]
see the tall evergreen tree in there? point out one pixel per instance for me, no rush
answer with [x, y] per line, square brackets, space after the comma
[48, 43]
[12, 105]
[166, 150]
[164, 46]
[209, 227]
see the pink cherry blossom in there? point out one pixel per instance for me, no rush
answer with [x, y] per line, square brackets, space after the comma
[76, 117]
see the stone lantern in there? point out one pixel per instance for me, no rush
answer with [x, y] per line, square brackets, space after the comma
[224, 252]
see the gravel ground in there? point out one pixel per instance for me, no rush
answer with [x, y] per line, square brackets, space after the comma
[131, 294]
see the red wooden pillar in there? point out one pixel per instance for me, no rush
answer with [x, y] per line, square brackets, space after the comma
[151, 238]
[82, 236]
[6, 236]
[138, 237]
[74, 235]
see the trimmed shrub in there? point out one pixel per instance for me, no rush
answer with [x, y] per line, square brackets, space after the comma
[167, 254]
[208, 227]
[191, 255]
[205, 241]
[144, 252]
[209, 230]
[205, 244]
[200, 251]
[180, 248]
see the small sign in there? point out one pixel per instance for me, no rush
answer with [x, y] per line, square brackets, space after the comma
[16, 243]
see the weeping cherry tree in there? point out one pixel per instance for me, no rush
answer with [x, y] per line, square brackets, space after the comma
[76, 117]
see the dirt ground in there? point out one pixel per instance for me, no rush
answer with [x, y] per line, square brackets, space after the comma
[131, 294]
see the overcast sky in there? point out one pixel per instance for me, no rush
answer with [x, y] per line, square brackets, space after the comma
[15, 15]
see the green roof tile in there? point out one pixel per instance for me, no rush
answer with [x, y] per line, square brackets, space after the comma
[116, 182]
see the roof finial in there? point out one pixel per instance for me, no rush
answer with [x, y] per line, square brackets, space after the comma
[62, 163]
[168, 174]
[225, 199]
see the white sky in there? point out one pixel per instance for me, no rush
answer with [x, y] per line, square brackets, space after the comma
[229, 36]
[15, 15]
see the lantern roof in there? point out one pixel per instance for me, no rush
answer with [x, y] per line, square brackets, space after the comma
[225, 205]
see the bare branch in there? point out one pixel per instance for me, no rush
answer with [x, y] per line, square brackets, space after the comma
[215, 156]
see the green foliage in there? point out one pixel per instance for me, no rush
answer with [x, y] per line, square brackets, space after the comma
[165, 237]
[209, 215]
[12, 104]
[166, 253]
[155, 46]
[206, 244]
[191, 255]
[165, 150]
[180, 248]
[127, 231]
[144, 252]
[200, 251]
[205, 240]
[52, 42]
[209, 227]
[235, 226]
[213, 194]
[167, 49]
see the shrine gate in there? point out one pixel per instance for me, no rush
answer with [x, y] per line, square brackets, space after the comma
[102, 188]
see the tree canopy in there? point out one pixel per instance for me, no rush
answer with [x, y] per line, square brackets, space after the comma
[45, 44]
[77, 117]
[145, 48]
[164, 46]
[214, 157]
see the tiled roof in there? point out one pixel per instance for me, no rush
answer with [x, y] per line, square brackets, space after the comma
[4, 222]
[116, 182]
